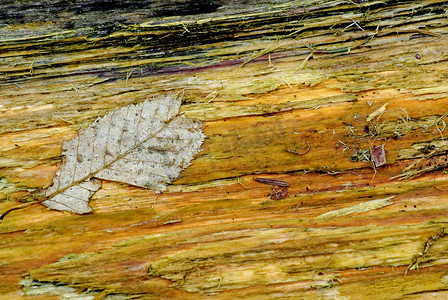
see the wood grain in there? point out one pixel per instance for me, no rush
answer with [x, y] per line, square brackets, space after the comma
[265, 78]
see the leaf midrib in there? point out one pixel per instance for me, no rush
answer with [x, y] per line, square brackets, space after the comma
[60, 191]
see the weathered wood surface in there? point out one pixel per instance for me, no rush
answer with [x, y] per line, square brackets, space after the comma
[265, 78]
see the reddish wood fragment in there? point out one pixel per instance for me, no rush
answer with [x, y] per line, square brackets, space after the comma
[269, 181]
[379, 156]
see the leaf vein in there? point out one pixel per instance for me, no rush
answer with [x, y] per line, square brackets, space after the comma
[138, 173]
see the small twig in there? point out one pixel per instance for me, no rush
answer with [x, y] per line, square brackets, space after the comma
[275, 182]
[300, 153]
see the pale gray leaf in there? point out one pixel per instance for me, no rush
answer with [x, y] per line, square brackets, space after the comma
[75, 198]
[146, 145]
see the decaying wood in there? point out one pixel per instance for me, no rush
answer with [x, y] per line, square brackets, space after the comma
[269, 80]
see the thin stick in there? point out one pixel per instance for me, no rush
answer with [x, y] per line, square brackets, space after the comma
[274, 182]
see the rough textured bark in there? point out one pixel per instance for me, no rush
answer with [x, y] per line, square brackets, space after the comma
[284, 89]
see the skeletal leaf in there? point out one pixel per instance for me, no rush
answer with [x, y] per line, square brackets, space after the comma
[145, 145]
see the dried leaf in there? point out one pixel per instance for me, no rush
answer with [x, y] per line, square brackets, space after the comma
[145, 145]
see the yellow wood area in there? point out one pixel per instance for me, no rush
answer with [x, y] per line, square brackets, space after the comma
[299, 91]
